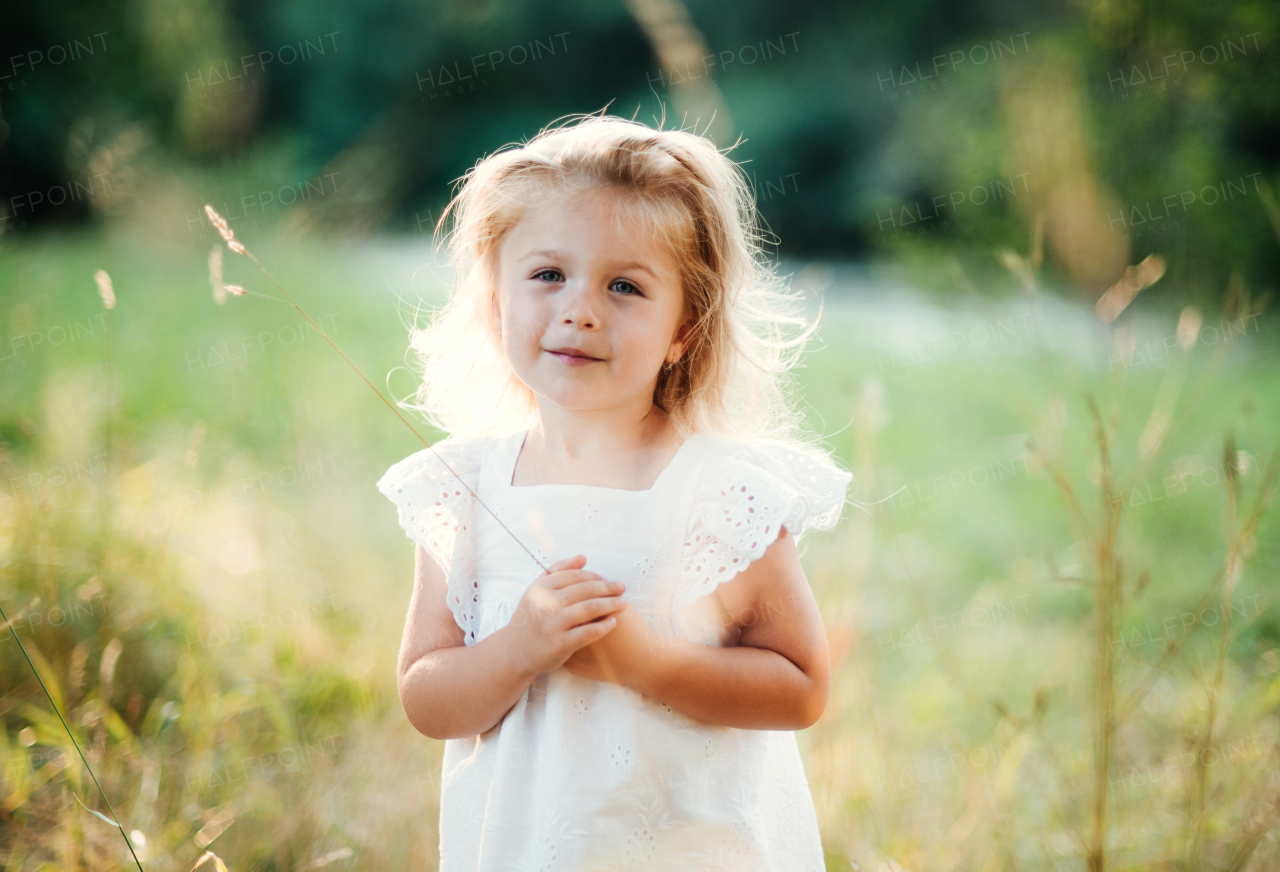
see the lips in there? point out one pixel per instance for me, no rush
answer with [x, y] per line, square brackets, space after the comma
[572, 356]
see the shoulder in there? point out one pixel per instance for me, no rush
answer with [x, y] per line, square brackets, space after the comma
[460, 455]
[747, 491]
[774, 481]
[433, 491]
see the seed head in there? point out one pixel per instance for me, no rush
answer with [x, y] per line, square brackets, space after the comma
[225, 229]
[215, 275]
[104, 289]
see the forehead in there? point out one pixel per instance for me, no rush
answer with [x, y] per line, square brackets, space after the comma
[581, 221]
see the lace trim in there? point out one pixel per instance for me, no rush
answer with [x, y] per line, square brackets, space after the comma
[745, 496]
[436, 511]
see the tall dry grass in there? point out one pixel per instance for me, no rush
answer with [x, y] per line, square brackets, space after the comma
[164, 720]
[1049, 797]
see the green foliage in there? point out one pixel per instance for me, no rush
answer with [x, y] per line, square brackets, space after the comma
[870, 110]
[252, 707]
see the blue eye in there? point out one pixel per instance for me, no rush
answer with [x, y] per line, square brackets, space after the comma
[542, 272]
[633, 289]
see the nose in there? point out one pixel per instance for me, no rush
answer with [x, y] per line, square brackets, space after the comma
[578, 306]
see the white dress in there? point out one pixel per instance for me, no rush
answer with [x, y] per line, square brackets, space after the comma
[589, 775]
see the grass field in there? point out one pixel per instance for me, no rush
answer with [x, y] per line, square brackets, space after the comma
[1043, 659]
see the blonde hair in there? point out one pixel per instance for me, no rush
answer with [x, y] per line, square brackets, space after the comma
[747, 327]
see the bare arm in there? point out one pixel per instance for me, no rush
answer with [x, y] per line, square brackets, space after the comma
[447, 689]
[743, 687]
[450, 690]
[778, 676]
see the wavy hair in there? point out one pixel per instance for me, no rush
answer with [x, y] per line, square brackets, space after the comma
[747, 327]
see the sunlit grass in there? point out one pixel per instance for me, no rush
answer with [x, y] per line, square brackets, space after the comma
[223, 641]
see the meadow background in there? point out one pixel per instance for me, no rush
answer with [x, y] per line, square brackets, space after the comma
[1053, 613]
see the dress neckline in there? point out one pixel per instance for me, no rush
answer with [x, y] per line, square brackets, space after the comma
[513, 455]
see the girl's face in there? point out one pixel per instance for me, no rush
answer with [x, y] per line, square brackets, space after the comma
[589, 312]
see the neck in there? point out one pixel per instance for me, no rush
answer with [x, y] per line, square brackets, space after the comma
[577, 432]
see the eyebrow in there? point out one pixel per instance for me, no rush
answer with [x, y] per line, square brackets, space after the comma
[546, 252]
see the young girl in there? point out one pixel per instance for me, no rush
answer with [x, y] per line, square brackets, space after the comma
[609, 623]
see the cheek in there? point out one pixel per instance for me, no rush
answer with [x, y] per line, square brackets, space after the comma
[641, 352]
[523, 325]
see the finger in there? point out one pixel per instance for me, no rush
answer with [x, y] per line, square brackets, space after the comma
[566, 563]
[588, 610]
[550, 593]
[558, 566]
[582, 590]
[566, 577]
[590, 632]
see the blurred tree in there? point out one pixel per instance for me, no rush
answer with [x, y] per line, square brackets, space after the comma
[848, 112]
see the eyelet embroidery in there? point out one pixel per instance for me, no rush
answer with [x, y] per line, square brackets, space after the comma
[651, 822]
[743, 501]
[740, 501]
[620, 755]
[443, 527]
[555, 829]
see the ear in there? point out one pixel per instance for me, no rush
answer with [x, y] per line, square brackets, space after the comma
[678, 343]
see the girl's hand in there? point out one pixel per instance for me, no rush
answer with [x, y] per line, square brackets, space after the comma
[559, 613]
[619, 656]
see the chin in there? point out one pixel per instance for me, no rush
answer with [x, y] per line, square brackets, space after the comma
[578, 401]
[581, 398]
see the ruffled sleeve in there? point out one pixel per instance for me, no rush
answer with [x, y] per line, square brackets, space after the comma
[747, 492]
[436, 510]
